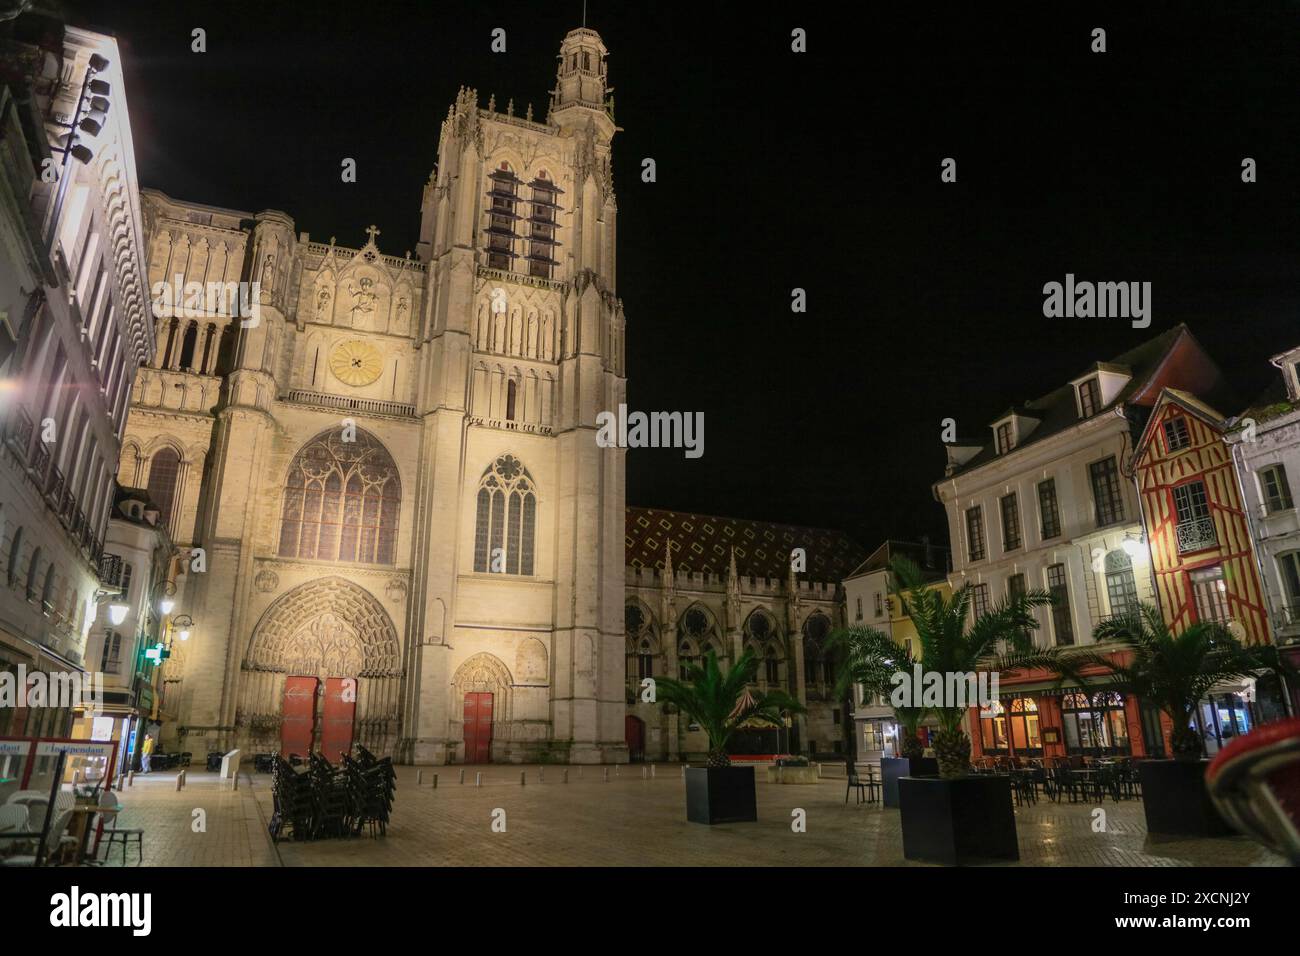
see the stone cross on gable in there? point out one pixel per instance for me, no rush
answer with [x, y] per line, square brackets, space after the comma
[372, 231]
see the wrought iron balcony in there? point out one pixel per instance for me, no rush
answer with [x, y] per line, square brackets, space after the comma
[1196, 534]
[20, 432]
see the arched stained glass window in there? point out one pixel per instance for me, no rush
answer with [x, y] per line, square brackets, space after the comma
[506, 519]
[341, 501]
[164, 469]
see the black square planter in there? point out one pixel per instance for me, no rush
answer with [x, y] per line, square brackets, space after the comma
[893, 769]
[720, 795]
[958, 819]
[1176, 800]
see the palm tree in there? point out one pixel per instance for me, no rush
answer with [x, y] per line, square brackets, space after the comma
[997, 641]
[1175, 671]
[720, 702]
[872, 658]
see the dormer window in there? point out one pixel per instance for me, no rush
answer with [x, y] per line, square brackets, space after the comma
[1005, 438]
[1089, 398]
[1176, 434]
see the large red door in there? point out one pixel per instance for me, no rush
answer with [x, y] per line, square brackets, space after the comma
[478, 728]
[298, 711]
[337, 718]
[634, 736]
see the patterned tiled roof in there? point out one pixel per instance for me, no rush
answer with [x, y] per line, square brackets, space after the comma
[703, 543]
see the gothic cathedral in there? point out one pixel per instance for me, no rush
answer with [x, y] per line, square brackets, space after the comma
[407, 534]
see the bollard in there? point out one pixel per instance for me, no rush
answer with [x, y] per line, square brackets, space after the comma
[180, 780]
[478, 779]
[462, 775]
[566, 776]
[645, 773]
[523, 778]
[607, 775]
[234, 782]
[435, 781]
[130, 779]
[419, 778]
[652, 771]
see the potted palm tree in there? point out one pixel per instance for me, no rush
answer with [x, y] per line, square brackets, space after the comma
[720, 703]
[959, 815]
[1175, 672]
[871, 659]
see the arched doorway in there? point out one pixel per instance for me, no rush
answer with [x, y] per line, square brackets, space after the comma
[634, 735]
[323, 670]
[484, 701]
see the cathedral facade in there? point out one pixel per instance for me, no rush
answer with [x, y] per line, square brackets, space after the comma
[396, 524]
[383, 477]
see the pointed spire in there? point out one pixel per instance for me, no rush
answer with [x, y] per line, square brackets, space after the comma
[732, 577]
[668, 563]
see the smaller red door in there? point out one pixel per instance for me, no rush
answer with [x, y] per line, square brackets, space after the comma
[478, 728]
[634, 735]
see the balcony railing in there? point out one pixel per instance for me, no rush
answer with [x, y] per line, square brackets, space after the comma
[371, 406]
[1195, 534]
[55, 487]
[40, 462]
[20, 432]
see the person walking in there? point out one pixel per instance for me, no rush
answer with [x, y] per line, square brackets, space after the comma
[146, 752]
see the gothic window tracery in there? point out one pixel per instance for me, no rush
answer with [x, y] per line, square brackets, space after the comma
[341, 501]
[164, 470]
[506, 520]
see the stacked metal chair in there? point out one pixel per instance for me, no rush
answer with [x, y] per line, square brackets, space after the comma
[294, 803]
[372, 784]
[324, 801]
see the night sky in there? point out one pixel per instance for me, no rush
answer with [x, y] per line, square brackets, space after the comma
[779, 170]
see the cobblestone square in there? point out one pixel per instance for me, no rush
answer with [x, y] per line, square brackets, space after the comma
[627, 821]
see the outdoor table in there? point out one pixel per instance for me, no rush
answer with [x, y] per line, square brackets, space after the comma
[82, 814]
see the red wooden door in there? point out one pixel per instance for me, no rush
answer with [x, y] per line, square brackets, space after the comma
[337, 718]
[634, 735]
[478, 728]
[298, 712]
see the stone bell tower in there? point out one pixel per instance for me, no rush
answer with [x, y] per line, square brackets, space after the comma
[522, 347]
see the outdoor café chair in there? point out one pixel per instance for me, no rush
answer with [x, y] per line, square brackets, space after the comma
[123, 834]
[856, 784]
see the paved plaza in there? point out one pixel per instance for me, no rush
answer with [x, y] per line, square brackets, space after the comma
[628, 821]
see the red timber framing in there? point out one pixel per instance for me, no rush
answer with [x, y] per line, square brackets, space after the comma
[1197, 531]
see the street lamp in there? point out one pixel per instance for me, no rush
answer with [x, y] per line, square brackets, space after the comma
[117, 612]
[168, 600]
[182, 624]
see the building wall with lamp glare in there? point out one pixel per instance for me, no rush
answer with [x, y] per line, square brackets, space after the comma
[73, 329]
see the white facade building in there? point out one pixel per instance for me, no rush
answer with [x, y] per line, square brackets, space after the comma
[1266, 454]
[73, 329]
